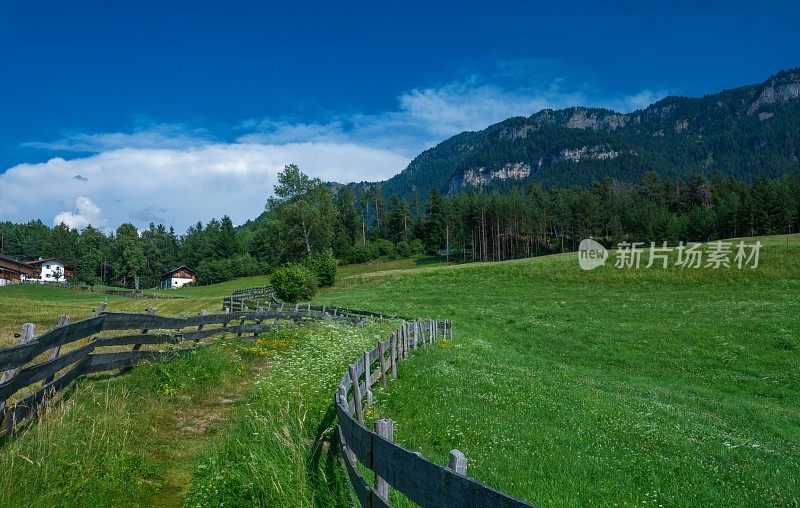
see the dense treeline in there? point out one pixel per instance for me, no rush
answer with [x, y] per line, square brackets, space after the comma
[533, 220]
[306, 222]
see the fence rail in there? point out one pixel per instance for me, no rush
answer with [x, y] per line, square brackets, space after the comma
[23, 366]
[428, 484]
[265, 298]
[420, 480]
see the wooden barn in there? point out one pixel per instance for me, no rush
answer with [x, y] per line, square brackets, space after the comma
[178, 278]
[13, 271]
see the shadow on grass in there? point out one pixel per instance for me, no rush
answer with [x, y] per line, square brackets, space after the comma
[328, 478]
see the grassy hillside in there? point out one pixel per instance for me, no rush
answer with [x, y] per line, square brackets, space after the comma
[610, 387]
[564, 387]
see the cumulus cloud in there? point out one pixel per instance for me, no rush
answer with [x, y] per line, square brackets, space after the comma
[179, 186]
[427, 115]
[177, 175]
[86, 213]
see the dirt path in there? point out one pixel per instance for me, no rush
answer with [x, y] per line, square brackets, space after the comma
[186, 431]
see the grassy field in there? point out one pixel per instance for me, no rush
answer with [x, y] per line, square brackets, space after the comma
[231, 425]
[567, 388]
[610, 387]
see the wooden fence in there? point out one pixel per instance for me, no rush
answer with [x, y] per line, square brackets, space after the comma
[39, 359]
[129, 293]
[38, 369]
[420, 480]
[265, 298]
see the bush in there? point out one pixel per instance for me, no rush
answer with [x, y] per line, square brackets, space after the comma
[416, 248]
[294, 282]
[403, 249]
[381, 248]
[323, 266]
[359, 254]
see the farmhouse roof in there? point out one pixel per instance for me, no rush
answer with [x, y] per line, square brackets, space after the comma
[180, 268]
[42, 261]
[9, 263]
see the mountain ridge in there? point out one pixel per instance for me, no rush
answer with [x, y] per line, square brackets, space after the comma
[741, 132]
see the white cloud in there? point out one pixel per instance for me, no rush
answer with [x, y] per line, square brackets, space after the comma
[427, 116]
[179, 186]
[86, 213]
[178, 175]
[176, 136]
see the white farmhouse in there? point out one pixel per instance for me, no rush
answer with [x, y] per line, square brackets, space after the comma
[178, 278]
[49, 270]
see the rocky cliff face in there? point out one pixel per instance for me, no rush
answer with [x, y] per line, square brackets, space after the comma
[781, 89]
[741, 132]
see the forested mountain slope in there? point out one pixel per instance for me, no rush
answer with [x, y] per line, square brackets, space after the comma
[744, 132]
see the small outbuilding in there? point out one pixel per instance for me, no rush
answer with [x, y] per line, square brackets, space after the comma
[13, 271]
[178, 278]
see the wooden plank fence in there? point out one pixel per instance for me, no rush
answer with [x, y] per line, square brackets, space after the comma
[24, 366]
[428, 484]
[420, 480]
[265, 298]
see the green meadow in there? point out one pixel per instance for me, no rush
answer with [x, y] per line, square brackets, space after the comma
[613, 387]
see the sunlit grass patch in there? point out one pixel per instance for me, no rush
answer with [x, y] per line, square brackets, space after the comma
[280, 451]
[610, 387]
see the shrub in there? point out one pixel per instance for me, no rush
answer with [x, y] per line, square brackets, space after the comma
[294, 282]
[416, 247]
[359, 254]
[403, 249]
[323, 266]
[381, 248]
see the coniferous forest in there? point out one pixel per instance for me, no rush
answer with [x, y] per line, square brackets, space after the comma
[306, 217]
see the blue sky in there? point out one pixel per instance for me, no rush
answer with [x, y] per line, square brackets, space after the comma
[110, 103]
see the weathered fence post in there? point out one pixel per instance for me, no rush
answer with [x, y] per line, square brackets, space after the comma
[258, 324]
[385, 429]
[341, 394]
[99, 310]
[203, 312]
[406, 341]
[416, 333]
[151, 311]
[28, 333]
[241, 324]
[63, 320]
[458, 462]
[393, 355]
[356, 394]
[382, 363]
[367, 378]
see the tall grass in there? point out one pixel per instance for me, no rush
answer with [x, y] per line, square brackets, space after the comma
[110, 442]
[281, 452]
